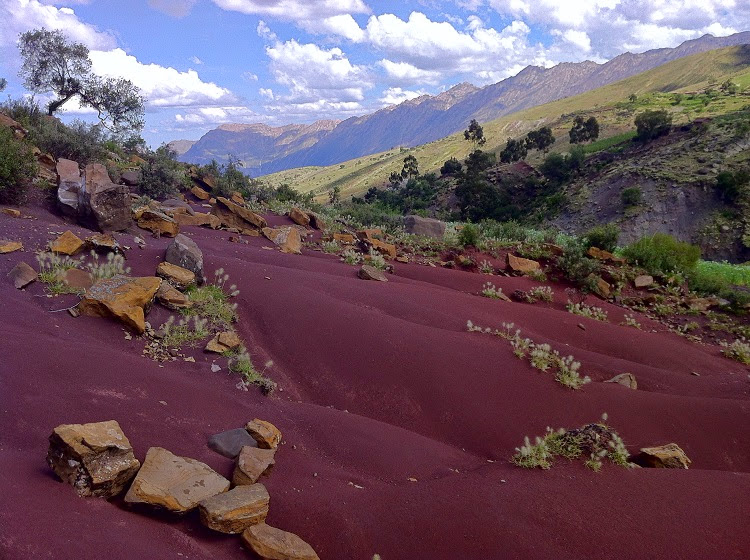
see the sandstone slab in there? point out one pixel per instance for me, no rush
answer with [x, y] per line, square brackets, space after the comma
[223, 342]
[274, 544]
[22, 275]
[158, 222]
[7, 246]
[199, 193]
[266, 434]
[252, 463]
[67, 244]
[426, 227]
[177, 484]
[346, 238]
[643, 281]
[669, 456]
[626, 379]
[12, 212]
[180, 278]
[234, 215]
[123, 298]
[70, 187]
[106, 205]
[368, 272]
[171, 298]
[234, 511]
[76, 279]
[524, 266]
[287, 238]
[299, 217]
[387, 249]
[104, 243]
[96, 459]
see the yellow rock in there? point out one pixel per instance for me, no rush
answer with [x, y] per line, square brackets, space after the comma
[274, 544]
[299, 217]
[12, 212]
[519, 264]
[179, 277]
[222, 342]
[123, 298]
[288, 238]
[383, 248]
[67, 244]
[9, 246]
[199, 193]
[158, 222]
[266, 434]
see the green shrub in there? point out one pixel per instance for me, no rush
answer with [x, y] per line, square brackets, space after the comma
[652, 124]
[451, 167]
[603, 237]
[17, 167]
[574, 263]
[162, 175]
[468, 236]
[663, 254]
[631, 196]
[80, 141]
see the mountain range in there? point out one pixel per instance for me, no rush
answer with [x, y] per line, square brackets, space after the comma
[264, 149]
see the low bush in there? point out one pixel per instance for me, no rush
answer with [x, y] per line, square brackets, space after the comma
[603, 237]
[468, 236]
[17, 168]
[663, 254]
[631, 197]
[162, 175]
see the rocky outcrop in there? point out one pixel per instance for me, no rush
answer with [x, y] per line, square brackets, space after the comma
[67, 244]
[22, 275]
[252, 463]
[368, 272]
[427, 227]
[106, 205]
[264, 433]
[274, 544]
[177, 484]
[184, 252]
[96, 459]
[158, 222]
[234, 511]
[180, 278]
[287, 238]
[123, 298]
[669, 456]
[519, 264]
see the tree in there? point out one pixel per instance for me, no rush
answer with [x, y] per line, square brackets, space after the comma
[334, 197]
[451, 167]
[475, 133]
[652, 124]
[514, 150]
[411, 167]
[540, 139]
[729, 87]
[584, 130]
[52, 63]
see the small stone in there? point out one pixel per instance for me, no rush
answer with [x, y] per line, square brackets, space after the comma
[625, 379]
[215, 368]
[96, 459]
[266, 434]
[22, 275]
[171, 298]
[402, 259]
[274, 544]
[76, 279]
[104, 243]
[519, 264]
[67, 244]
[299, 217]
[643, 281]
[234, 511]
[346, 238]
[180, 278]
[9, 246]
[669, 456]
[177, 484]
[368, 272]
[12, 212]
[232, 442]
[252, 463]
[222, 342]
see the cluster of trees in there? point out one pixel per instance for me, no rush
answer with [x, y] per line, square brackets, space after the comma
[515, 150]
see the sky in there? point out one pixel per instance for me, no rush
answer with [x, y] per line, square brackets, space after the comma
[201, 63]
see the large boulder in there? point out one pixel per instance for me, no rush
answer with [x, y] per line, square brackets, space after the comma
[287, 238]
[234, 511]
[131, 178]
[274, 544]
[184, 252]
[234, 216]
[427, 227]
[96, 459]
[252, 463]
[108, 204]
[177, 484]
[519, 264]
[299, 217]
[70, 187]
[123, 298]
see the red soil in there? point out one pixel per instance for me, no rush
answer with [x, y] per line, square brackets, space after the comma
[379, 383]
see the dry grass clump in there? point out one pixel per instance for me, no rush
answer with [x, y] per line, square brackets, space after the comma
[585, 310]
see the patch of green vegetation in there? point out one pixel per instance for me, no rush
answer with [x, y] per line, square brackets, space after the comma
[187, 332]
[612, 144]
[17, 166]
[736, 274]
[739, 350]
[242, 365]
[585, 310]
[662, 254]
[211, 302]
[51, 266]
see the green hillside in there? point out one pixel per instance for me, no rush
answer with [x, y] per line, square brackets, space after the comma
[697, 78]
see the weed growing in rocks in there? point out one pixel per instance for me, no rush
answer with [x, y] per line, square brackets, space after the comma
[330, 247]
[50, 267]
[377, 260]
[585, 310]
[242, 365]
[485, 267]
[539, 293]
[630, 321]
[537, 275]
[739, 350]
[489, 290]
[352, 257]
[112, 266]
[188, 331]
[596, 441]
[540, 356]
[211, 302]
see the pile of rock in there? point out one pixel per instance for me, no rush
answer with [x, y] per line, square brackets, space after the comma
[98, 460]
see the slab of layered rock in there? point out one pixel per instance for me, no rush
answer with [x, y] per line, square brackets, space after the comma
[347, 238]
[223, 342]
[266, 434]
[426, 227]
[22, 275]
[643, 281]
[96, 459]
[184, 252]
[158, 222]
[172, 298]
[274, 544]
[287, 238]
[234, 511]
[12, 212]
[104, 243]
[368, 272]
[7, 246]
[197, 219]
[180, 278]
[299, 217]
[76, 279]
[626, 379]
[519, 264]
[252, 463]
[235, 216]
[177, 484]
[669, 456]
[199, 193]
[386, 249]
[67, 244]
[123, 298]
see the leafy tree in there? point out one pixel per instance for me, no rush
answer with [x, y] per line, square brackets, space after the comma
[475, 133]
[17, 167]
[52, 63]
[559, 168]
[652, 124]
[334, 197]
[479, 161]
[514, 150]
[584, 130]
[451, 167]
[411, 167]
[730, 184]
[729, 87]
[540, 139]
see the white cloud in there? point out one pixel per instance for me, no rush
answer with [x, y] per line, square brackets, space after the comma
[249, 76]
[295, 10]
[343, 25]
[405, 73]
[212, 116]
[264, 31]
[162, 86]
[396, 95]
[174, 8]
[196, 60]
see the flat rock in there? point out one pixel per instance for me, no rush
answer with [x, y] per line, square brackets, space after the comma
[232, 442]
[669, 456]
[426, 227]
[234, 215]
[369, 272]
[199, 193]
[158, 222]
[12, 212]
[519, 264]
[299, 217]
[626, 379]
[180, 278]
[287, 238]
[346, 238]
[274, 544]
[316, 221]
[9, 246]
[223, 342]
[76, 279]
[252, 463]
[104, 243]
[22, 275]
[197, 219]
[266, 434]
[67, 244]
[96, 459]
[643, 281]
[123, 298]
[177, 484]
[172, 298]
[370, 234]
[234, 511]
[387, 249]
[184, 252]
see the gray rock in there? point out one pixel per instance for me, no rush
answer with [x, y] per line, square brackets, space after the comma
[230, 443]
[368, 272]
[428, 227]
[184, 252]
[172, 203]
[69, 187]
[131, 178]
[22, 275]
[108, 204]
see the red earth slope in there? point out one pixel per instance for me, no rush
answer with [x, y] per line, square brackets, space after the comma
[379, 383]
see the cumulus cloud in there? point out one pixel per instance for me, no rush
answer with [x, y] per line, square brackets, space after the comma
[295, 10]
[396, 95]
[405, 73]
[174, 8]
[212, 116]
[162, 86]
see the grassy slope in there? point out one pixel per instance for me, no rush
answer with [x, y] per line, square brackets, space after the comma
[609, 104]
